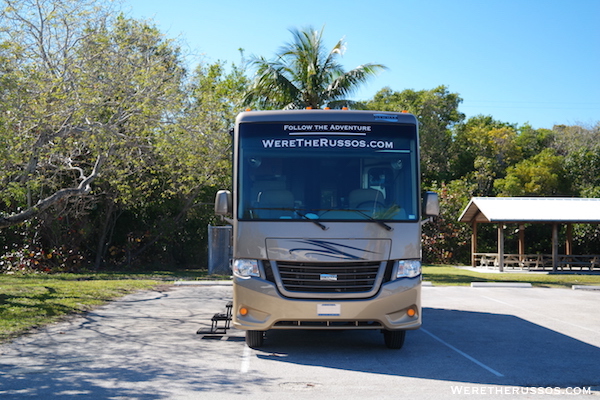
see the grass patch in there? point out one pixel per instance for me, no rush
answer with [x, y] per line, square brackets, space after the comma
[446, 275]
[31, 301]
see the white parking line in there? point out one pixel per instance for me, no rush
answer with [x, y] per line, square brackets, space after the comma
[462, 353]
[540, 314]
[246, 359]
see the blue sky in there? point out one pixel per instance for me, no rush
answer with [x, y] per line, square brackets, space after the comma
[520, 61]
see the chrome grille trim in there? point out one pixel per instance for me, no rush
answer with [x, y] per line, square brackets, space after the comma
[340, 280]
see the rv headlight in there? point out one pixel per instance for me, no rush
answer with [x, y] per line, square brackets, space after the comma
[245, 268]
[408, 268]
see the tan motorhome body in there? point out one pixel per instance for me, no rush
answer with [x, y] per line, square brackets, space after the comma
[311, 259]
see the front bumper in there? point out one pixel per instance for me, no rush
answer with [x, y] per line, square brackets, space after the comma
[267, 309]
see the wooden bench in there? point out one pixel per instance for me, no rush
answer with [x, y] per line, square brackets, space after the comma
[582, 261]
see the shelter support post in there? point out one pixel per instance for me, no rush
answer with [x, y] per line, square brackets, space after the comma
[521, 243]
[501, 247]
[569, 242]
[474, 245]
[554, 247]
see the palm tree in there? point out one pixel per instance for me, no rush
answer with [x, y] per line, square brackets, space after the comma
[303, 74]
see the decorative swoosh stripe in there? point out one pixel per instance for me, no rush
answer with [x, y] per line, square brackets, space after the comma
[329, 249]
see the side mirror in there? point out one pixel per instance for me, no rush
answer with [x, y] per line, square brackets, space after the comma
[223, 203]
[431, 204]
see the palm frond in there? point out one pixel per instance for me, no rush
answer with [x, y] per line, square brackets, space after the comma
[347, 83]
[271, 87]
[304, 73]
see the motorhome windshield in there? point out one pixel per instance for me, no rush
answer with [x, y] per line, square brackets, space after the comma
[328, 172]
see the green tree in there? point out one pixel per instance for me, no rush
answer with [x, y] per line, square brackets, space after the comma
[575, 137]
[581, 150]
[533, 141]
[195, 160]
[130, 103]
[541, 175]
[580, 147]
[40, 38]
[582, 168]
[445, 240]
[304, 74]
[90, 107]
[482, 150]
[437, 112]
[93, 92]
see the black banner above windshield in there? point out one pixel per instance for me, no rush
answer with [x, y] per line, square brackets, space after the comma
[374, 137]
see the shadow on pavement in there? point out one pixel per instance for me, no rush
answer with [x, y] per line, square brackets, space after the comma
[525, 354]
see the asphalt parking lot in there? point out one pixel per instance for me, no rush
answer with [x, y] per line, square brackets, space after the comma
[475, 342]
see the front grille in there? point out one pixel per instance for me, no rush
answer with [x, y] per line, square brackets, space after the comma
[327, 277]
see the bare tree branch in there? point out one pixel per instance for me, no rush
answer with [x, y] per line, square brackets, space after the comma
[83, 188]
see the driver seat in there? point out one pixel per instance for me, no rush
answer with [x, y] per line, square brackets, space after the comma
[276, 204]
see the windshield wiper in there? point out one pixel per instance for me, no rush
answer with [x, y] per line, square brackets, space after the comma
[379, 222]
[314, 221]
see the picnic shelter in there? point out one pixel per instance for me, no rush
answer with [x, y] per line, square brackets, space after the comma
[555, 211]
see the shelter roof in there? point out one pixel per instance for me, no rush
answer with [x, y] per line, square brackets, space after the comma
[532, 209]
